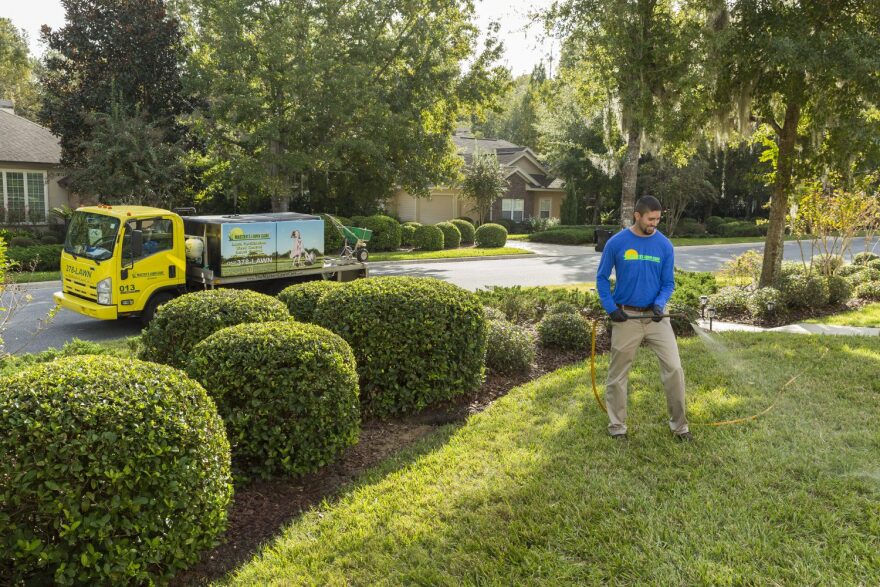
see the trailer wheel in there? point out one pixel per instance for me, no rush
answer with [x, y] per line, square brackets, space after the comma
[362, 255]
[150, 309]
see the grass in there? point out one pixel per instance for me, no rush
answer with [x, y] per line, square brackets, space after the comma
[447, 254]
[34, 276]
[532, 492]
[868, 315]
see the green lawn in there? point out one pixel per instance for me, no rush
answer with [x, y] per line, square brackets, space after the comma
[34, 276]
[447, 254]
[533, 492]
[866, 316]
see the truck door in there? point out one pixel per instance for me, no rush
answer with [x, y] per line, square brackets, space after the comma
[158, 266]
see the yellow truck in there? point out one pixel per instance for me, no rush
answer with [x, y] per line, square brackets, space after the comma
[126, 261]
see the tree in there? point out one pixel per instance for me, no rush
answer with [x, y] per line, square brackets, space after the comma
[796, 67]
[124, 50]
[332, 104]
[483, 182]
[18, 70]
[518, 118]
[677, 187]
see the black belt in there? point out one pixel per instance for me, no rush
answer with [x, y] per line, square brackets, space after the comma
[639, 308]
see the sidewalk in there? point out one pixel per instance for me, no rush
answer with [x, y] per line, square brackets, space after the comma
[799, 328]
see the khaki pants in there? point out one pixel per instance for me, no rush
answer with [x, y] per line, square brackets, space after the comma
[625, 340]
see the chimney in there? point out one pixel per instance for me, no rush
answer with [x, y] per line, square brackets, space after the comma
[7, 106]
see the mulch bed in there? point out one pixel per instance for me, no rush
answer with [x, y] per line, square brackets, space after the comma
[261, 509]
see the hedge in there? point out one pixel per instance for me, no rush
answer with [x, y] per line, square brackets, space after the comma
[386, 231]
[466, 229]
[564, 236]
[36, 258]
[490, 236]
[302, 298]
[451, 235]
[183, 322]
[417, 341]
[408, 233]
[288, 393]
[428, 238]
[114, 472]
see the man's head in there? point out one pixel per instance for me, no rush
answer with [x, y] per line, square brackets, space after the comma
[646, 215]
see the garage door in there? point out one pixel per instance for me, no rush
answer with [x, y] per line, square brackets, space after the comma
[437, 209]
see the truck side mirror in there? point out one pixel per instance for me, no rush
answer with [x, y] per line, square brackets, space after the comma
[137, 244]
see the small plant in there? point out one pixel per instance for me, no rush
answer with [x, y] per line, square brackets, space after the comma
[466, 229]
[428, 238]
[564, 331]
[490, 236]
[302, 298]
[864, 258]
[839, 289]
[510, 349]
[493, 313]
[730, 301]
[869, 290]
[451, 235]
[765, 304]
[562, 308]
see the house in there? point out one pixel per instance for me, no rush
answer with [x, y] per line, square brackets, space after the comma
[532, 192]
[30, 158]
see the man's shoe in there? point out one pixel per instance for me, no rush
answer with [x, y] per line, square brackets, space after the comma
[684, 437]
[621, 436]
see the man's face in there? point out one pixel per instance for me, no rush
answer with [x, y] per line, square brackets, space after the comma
[647, 222]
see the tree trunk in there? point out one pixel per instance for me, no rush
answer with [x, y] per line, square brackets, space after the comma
[773, 247]
[630, 174]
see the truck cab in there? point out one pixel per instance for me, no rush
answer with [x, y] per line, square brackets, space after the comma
[121, 261]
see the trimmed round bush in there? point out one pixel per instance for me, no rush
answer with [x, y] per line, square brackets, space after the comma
[864, 275]
[467, 230]
[49, 239]
[428, 238]
[288, 393]
[713, 223]
[848, 270]
[301, 298]
[490, 236]
[839, 289]
[451, 235]
[511, 348]
[22, 241]
[184, 322]
[408, 233]
[562, 308]
[869, 290]
[564, 331]
[759, 301]
[114, 472]
[417, 341]
[827, 264]
[805, 291]
[730, 301]
[386, 231]
[865, 257]
[493, 313]
[873, 264]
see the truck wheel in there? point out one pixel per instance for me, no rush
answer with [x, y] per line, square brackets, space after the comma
[362, 255]
[153, 305]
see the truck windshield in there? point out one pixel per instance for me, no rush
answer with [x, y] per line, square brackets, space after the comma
[91, 235]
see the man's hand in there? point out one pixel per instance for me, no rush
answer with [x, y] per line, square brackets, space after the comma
[618, 315]
[658, 313]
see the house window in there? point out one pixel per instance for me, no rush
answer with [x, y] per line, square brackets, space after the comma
[24, 196]
[512, 209]
[544, 211]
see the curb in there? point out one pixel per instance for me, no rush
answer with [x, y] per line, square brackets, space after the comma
[452, 259]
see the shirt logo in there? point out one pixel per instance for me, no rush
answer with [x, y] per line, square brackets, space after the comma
[633, 255]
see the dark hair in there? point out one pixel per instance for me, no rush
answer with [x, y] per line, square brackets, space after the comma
[647, 204]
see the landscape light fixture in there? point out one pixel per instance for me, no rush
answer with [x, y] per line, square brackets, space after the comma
[771, 306]
[703, 301]
[711, 316]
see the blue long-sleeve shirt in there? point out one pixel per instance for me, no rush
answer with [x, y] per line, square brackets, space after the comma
[643, 267]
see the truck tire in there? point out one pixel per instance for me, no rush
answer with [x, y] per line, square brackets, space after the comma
[362, 255]
[157, 300]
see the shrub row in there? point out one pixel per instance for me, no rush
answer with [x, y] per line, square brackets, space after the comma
[35, 258]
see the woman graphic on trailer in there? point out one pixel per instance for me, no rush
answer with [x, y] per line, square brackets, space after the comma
[299, 257]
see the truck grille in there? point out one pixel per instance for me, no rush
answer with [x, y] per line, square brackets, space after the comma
[80, 289]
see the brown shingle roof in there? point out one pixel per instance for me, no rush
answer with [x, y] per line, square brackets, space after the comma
[23, 141]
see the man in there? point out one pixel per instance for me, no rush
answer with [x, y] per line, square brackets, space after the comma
[643, 260]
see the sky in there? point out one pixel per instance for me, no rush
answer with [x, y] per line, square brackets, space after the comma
[523, 46]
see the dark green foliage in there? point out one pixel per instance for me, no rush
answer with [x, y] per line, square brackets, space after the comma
[869, 290]
[302, 298]
[428, 238]
[690, 285]
[529, 304]
[332, 239]
[563, 308]
[386, 231]
[839, 289]
[408, 234]
[417, 340]
[35, 258]
[49, 239]
[511, 348]
[563, 236]
[804, 291]
[713, 223]
[564, 331]
[114, 472]
[490, 236]
[184, 322]
[22, 241]
[467, 230]
[730, 302]
[864, 258]
[741, 228]
[758, 304]
[12, 364]
[873, 264]
[848, 270]
[287, 392]
[451, 235]
[689, 227]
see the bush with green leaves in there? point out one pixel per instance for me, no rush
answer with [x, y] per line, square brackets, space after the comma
[302, 298]
[22, 241]
[288, 393]
[864, 257]
[839, 289]
[511, 348]
[408, 233]
[563, 308]
[493, 313]
[802, 290]
[564, 236]
[35, 258]
[490, 236]
[873, 264]
[689, 227]
[466, 229]
[451, 235]
[827, 264]
[766, 304]
[529, 304]
[183, 322]
[386, 231]
[869, 290]
[690, 285]
[864, 275]
[713, 223]
[730, 301]
[848, 270]
[49, 239]
[417, 341]
[745, 267]
[564, 331]
[114, 472]
[741, 228]
[428, 238]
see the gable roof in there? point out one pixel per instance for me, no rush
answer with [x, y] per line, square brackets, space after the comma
[508, 154]
[27, 142]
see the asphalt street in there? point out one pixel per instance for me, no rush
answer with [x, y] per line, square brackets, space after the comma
[552, 265]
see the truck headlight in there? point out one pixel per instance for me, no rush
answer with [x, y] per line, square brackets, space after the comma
[105, 292]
